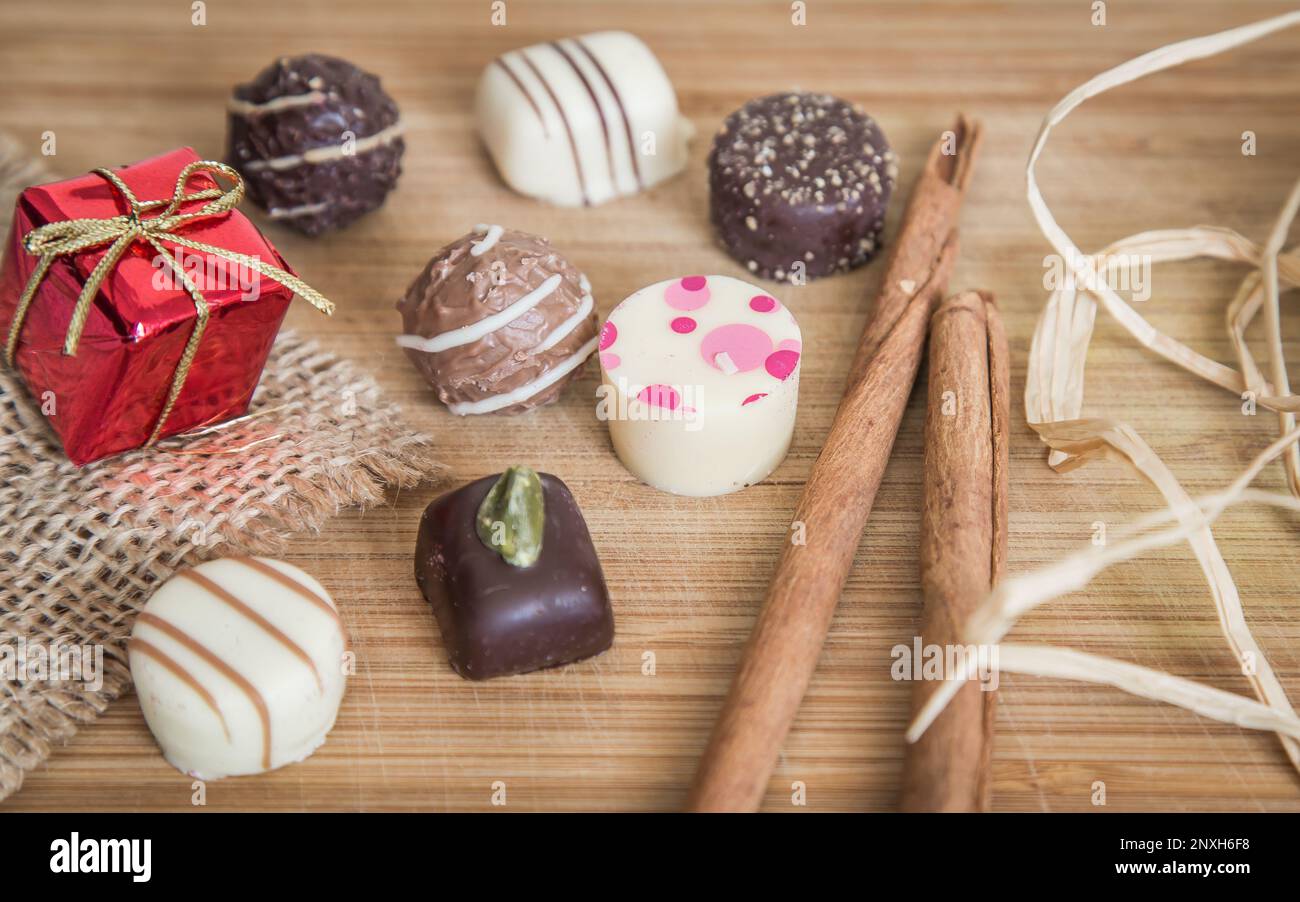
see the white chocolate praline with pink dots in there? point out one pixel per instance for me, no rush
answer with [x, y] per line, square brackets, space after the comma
[700, 383]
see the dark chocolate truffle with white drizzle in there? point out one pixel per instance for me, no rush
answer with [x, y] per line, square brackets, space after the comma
[498, 321]
[317, 140]
[799, 184]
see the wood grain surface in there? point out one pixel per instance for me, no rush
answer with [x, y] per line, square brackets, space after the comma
[120, 81]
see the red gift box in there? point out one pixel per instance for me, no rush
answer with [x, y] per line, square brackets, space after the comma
[109, 394]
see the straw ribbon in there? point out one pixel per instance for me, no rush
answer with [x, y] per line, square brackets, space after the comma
[73, 236]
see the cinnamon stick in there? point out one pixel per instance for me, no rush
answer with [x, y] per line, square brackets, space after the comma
[963, 540]
[782, 652]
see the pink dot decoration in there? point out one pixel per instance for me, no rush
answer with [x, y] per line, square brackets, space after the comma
[610, 360]
[762, 303]
[752, 398]
[608, 334]
[781, 364]
[683, 325]
[659, 395]
[790, 344]
[747, 346]
[690, 293]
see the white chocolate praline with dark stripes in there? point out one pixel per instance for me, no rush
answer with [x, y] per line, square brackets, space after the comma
[239, 666]
[582, 120]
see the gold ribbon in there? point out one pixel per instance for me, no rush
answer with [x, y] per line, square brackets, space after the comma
[73, 236]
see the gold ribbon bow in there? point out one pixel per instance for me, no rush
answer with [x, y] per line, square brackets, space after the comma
[72, 236]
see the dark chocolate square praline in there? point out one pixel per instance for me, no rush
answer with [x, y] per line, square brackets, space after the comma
[497, 619]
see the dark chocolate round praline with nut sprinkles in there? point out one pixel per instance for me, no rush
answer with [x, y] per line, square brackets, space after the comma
[799, 183]
[317, 140]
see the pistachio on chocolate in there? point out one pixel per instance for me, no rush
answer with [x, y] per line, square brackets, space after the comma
[511, 518]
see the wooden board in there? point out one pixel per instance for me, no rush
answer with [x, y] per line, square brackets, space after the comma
[117, 82]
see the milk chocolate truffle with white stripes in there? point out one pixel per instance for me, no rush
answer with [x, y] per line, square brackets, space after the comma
[798, 186]
[582, 120]
[317, 140]
[239, 666]
[498, 321]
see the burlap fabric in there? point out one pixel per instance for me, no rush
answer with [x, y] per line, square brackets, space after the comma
[82, 549]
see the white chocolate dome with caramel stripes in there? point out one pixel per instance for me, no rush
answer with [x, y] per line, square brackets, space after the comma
[238, 664]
